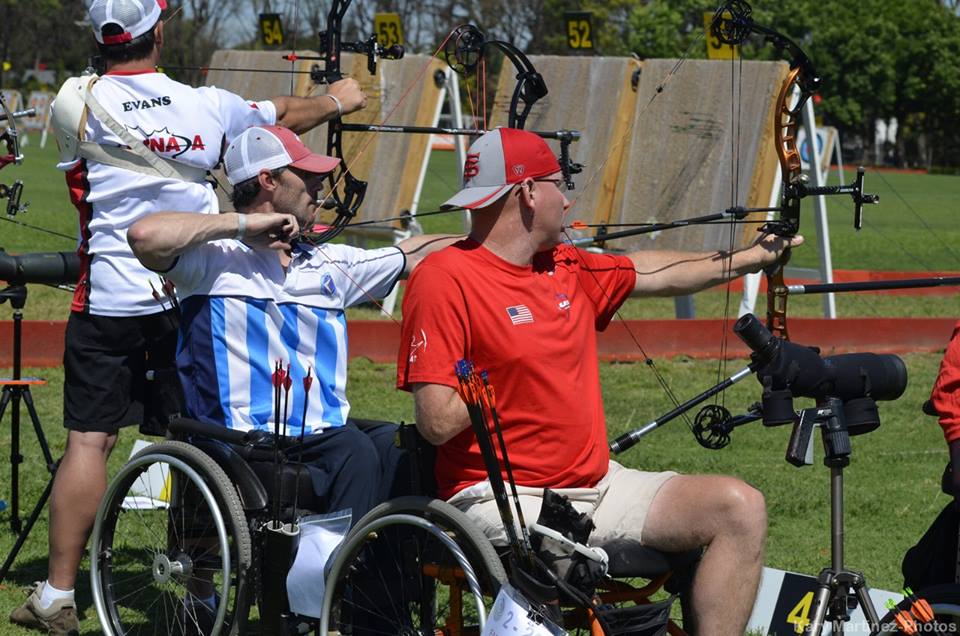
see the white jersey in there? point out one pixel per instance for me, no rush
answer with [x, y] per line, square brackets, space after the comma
[242, 312]
[176, 121]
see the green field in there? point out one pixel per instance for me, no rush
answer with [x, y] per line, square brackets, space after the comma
[892, 484]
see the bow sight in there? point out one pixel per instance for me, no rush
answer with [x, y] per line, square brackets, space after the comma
[370, 48]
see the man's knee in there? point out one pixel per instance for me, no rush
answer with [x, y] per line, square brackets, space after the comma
[87, 444]
[742, 507]
[357, 444]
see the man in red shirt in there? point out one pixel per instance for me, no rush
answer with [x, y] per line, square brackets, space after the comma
[517, 302]
[945, 400]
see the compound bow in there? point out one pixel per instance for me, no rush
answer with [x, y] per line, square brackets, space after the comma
[11, 138]
[732, 24]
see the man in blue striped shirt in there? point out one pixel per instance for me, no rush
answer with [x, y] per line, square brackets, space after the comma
[251, 294]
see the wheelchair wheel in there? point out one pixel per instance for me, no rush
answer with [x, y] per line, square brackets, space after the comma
[170, 533]
[945, 602]
[412, 566]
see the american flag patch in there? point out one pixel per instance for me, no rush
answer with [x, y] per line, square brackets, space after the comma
[519, 314]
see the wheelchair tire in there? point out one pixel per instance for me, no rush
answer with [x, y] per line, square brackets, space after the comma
[151, 542]
[393, 572]
[945, 602]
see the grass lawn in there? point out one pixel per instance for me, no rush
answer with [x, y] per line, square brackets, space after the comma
[892, 485]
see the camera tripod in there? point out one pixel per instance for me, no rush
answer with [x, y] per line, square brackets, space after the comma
[838, 589]
[15, 390]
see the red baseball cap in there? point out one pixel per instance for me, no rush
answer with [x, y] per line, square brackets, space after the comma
[499, 160]
[267, 148]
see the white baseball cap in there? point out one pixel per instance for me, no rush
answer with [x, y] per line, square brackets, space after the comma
[499, 160]
[267, 148]
[135, 17]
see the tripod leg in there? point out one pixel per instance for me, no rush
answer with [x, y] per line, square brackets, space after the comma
[4, 400]
[12, 394]
[821, 603]
[869, 611]
[23, 534]
[38, 429]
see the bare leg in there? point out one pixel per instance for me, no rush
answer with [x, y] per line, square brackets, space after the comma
[78, 487]
[728, 517]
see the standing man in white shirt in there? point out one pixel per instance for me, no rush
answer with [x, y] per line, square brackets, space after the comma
[118, 326]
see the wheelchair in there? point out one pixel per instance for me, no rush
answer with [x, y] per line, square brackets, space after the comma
[183, 523]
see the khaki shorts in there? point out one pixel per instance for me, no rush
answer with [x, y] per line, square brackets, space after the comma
[618, 505]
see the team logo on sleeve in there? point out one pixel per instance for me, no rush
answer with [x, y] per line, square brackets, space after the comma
[417, 345]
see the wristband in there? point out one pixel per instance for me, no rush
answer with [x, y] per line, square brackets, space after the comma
[241, 227]
[336, 100]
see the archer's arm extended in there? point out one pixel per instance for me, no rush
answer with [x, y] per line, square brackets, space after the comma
[675, 273]
[301, 114]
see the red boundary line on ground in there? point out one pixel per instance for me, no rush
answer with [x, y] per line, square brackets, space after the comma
[378, 340]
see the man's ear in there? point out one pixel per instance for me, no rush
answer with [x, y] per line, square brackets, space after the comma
[158, 34]
[267, 180]
[526, 194]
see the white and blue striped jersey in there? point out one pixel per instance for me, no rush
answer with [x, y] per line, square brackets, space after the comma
[241, 312]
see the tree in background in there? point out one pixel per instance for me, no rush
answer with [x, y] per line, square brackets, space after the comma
[879, 59]
[193, 30]
[36, 32]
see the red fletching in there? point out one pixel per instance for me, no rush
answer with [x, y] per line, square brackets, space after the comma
[308, 379]
[578, 225]
[277, 377]
[154, 292]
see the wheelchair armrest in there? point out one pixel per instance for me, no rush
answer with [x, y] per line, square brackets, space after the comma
[185, 426]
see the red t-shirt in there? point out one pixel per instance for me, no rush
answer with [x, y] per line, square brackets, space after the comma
[946, 392]
[534, 329]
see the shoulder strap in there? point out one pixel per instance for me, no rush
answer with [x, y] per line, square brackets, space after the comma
[135, 156]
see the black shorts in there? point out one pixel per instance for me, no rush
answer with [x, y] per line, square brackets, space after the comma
[105, 365]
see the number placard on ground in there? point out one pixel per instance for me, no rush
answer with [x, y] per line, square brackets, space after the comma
[388, 29]
[579, 30]
[716, 50]
[271, 29]
[784, 606]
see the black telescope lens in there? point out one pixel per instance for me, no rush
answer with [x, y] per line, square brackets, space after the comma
[755, 336]
[46, 268]
[881, 376]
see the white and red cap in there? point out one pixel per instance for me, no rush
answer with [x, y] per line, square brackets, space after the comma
[499, 160]
[268, 148]
[135, 17]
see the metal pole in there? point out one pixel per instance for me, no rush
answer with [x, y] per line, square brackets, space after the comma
[820, 204]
